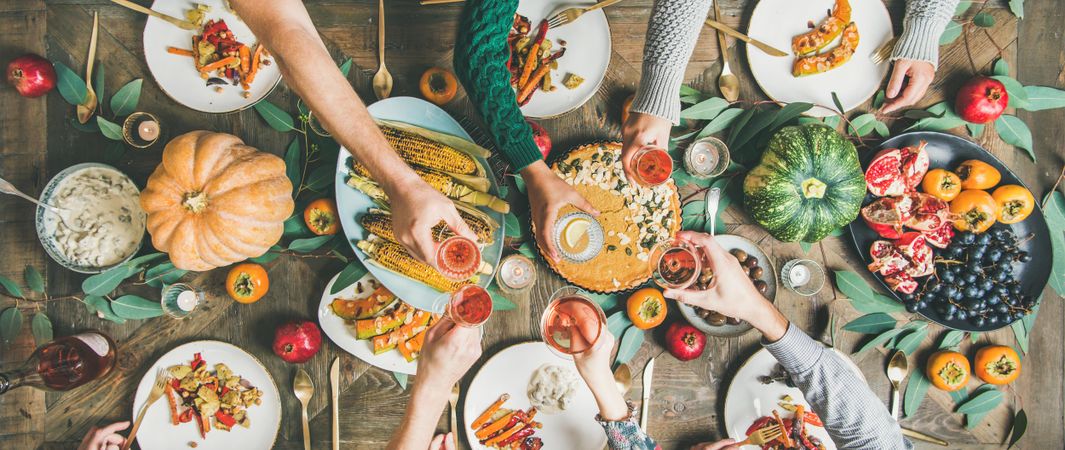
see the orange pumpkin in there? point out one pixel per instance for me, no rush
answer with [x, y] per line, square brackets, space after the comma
[214, 201]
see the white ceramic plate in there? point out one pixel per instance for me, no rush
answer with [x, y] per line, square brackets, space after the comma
[158, 433]
[509, 371]
[351, 203]
[775, 22]
[177, 75]
[587, 55]
[748, 399]
[343, 335]
[769, 276]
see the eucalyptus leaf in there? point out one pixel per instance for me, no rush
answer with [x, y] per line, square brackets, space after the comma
[618, 322]
[839, 105]
[963, 6]
[874, 323]
[721, 122]
[863, 124]
[878, 303]
[917, 114]
[109, 129]
[833, 121]
[511, 225]
[33, 279]
[1001, 67]
[759, 122]
[296, 227]
[164, 273]
[975, 129]
[10, 286]
[805, 246]
[947, 121]
[916, 389]
[909, 343]
[519, 183]
[1017, 8]
[69, 84]
[691, 99]
[345, 67]
[951, 339]
[1054, 212]
[882, 129]
[41, 326]
[738, 125]
[351, 273]
[126, 98]
[881, 338]
[982, 402]
[1018, 97]
[500, 302]
[136, 263]
[292, 165]
[951, 33]
[605, 301]
[528, 250]
[102, 307]
[136, 307]
[686, 90]
[1013, 131]
[789, 112]
[1019, 425]
[307, 245]
[630, 344]
[705, 110]
[878, 99]
[984, 20]
[853, 286]
[958, 396]
[274, 116]
[401, 379]
[10, 324]
[103, 283]
[1044, 97]
[321, 177]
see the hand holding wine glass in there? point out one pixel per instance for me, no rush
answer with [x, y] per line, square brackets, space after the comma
[106, 438]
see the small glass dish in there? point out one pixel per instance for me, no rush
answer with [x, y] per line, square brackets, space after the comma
[180, 299]
[516, 273]
[142, 130]
[706, 158]
[594, 232]
[803, 276]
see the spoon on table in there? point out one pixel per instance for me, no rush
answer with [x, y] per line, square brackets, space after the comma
[88, 107]
[304, 390]
[382, 80]
[7, 188]
[897, 370]
[727, 82]
[623, 378]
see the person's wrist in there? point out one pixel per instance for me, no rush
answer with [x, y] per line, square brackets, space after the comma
[534, 171]
[769, 321]
[431, 390]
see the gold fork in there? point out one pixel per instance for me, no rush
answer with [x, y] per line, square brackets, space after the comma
[454, 400]
[761, 436]
[883, 52]
[161, 378]
[569, 15]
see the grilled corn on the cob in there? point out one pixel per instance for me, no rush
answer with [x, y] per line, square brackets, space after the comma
[428, 153]
[394, 257]
[380, 224]
[443, 183]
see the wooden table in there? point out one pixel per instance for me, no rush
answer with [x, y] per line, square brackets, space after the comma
[36, 141]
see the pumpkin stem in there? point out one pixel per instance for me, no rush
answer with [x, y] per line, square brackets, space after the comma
[194, 201]
[813, 188]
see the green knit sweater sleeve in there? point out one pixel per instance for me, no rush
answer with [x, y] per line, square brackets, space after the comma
[481, 55]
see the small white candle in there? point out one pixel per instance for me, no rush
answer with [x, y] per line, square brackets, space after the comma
[187, 300]
[799, 275]
[516, 272]
[148, 130]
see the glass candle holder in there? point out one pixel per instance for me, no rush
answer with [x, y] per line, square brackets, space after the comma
[516, 273]
[141, 130]
[180, 299]
[803, 276]
[706, 158]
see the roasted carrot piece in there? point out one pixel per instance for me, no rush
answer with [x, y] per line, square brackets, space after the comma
[487, 414]
[501, 436]
[534, 54]
[784, 438]
[220, 64]
[245, 61]
[179, 51]
[173, 404]
[494, 426]
[254, 64]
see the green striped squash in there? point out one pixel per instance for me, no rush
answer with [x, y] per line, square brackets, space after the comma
[808, 183]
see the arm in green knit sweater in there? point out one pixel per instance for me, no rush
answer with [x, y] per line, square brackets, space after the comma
[481, 56]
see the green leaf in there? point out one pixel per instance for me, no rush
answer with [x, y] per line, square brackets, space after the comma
[605, 301]
[292, 164]
[1014, 132]
[273, 253]
[686, 91]
[974, 336]
[705, 110]
[1020, 422]
[882, 129]
[839, 105]
[274, 116]
[1054, 212]
[863, 124]
[879, 303]
[87, 127]
[982, 402]
[321, 177]
[161, 274]
[10, 286]
[33, 279]
[962, 7]
[41, 327]
[951, 33]
[103, 283]
[881, 338]
[750, 129]
[1001, 67]
[1043, 97]
[909, 343]
[109, 129]
[519, 183]
[500, 302]
[916, 389]
[975, 129]
[528, 250]
[296, 227]
[352, 272]
[948, 120]
[984, 20]
[833, 121]
[135, 307]
[308, 245]
[102, 307]
[853, 286]
[871, 323]
[721, 122]
[958, 396]
[98, 87]
[951, 339]
[70, 85]
[789, 112]
[1018, 97]
[878, 99]
[10, 324]
[806, 246]
[126, 98]
[630, 344]
[737, 126]
[512, 225]
[617, 323]
[401, 379]
[1017, 8]
[345, 67]
[136, 263]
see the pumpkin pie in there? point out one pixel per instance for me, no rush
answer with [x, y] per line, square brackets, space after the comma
[634, 219]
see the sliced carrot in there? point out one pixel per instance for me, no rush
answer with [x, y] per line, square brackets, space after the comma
[483, 433]
[173, 403]
[245, 61]
[179, 51]
[501, 436]
[784, 438]
[254, 64]
[487, 414]
[224, 62]
[534, 82]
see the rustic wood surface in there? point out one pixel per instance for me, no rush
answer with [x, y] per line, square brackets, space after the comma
[37, 141]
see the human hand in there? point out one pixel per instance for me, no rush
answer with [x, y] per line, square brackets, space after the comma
[443, 442]
[106, 438]
[640, 130]
[920, 75]
[727, 444]
[448, 353]
[416, 209]
[547, 195]
[595, 360]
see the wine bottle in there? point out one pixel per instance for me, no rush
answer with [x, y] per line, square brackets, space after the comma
[64, 364]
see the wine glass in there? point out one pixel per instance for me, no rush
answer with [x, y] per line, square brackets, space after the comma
[675, 264]
[653, 165]
[572, 322]
[469, 306]
[458, 258]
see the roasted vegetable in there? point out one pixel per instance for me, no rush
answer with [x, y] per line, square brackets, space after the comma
[825, 32]
[394, 257]
[417, 323]
[380, 224]
[445, 184]
[824, 62]
[377, 326]
[366, 308]
[428, 153]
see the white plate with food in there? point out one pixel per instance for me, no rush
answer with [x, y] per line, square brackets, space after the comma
[759, 388]
[171, 57]
[364, 300]
[587, 55]
[256, 428]
[777, 22]
[512, 372]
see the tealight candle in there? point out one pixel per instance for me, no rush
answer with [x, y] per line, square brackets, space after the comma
[799, 275]
[187, 301]
[148, 130]
[803, 276]
[516, 272]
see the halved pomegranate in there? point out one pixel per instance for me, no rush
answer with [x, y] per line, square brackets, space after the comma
[901, 282]
[915, 249]
[886, 215]
[927, 213]
[914, 165]
[884, 175]
[887, 259]
[940, 237]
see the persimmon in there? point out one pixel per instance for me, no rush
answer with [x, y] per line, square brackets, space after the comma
[975, 210]
[321, 216]
[646, 308]
[976, 174]
[947, 370]
[247, 282]
[1014, 202]
[942, 184]
[438, 85]
[997, 364]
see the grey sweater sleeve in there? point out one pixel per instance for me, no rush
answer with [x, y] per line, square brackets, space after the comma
[921, 28]
[671, 35]
[854, 417]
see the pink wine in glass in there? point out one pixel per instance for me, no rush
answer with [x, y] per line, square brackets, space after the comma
[572, 323]
[675, 265]
[470, 306]
[653, 166]
[458, 258]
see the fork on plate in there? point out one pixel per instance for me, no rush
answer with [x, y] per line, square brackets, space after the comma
[161, 379]
[883, 53]
[761, 436]
[569, 15]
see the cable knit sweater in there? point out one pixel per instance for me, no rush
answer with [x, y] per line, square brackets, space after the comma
[675, 25]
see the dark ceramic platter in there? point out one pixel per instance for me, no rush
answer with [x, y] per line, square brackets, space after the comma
[946, 151]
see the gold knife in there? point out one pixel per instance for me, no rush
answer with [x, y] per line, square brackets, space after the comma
[924, 437]
[334, 385]
[648, 375]
[768, 49]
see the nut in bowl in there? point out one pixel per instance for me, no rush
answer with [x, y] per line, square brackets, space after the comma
[762, 273]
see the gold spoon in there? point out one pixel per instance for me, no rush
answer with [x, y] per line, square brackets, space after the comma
[304, 390]
[897, 370]
[727, 83]
[88, 107]
[623, 378]
[382, 80]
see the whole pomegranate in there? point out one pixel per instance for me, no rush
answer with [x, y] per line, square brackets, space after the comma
[297, 341]
[543, 141]
[684, 341]
[981, 100]
[31, 75]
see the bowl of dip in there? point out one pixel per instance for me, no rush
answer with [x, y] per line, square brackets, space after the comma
[105, 204]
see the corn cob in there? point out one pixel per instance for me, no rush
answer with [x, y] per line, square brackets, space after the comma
[380, 224]
[428, 153]
[394, 257]
[444, 184]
